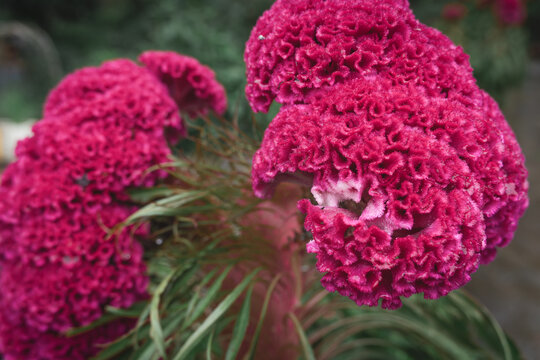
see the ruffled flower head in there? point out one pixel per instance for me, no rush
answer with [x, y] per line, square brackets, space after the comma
[193, 86]
[298, 47]
[454, 11]
[404, 186]
[103, 128]
[118, 92]
[68, 271]
[18, 341]
[510, 12]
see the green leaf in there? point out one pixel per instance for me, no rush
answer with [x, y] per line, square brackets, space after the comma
[119, 345]
[180, 284]
[170, 325]
[207, 299]
[112, 350]
[156, 332]
[104, 319]
[145, 195]
[308, 351]
[171, 206]
[209, 346]
[262, 316]
[134, 311]
[201, 331]
[240, 327]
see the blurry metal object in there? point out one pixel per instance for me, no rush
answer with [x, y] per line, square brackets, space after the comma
[10, 134]
[35, 47]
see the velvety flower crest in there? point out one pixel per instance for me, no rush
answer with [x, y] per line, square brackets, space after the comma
[193, 86]
[510, 12]
[103, 128]
[18, 341]
[118, 92]
[405, 186]
[297, 47]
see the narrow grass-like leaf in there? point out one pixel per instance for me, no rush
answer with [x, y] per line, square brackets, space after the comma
[240, 327]
[119, 345]
[208, 298]
[169, 206]
[145, 195]
[104, 319]
[113, 350]
[156, 332]
[197, 336]
[195, 296]
[306, 347]
[180, 283]
[487, 315]
[134, 311]
[209, 346]
[253, 345]
[148, 351]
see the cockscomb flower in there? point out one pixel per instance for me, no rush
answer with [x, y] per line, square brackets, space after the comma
[297, 47]
[18, 341]
[454, 11]
[510, 12]
[67, 272]
[103, 128]
[74, 291]
[66, 171]
[193, 86]
[507, 181]
[102, 157]
[405, 185]
[118, 92]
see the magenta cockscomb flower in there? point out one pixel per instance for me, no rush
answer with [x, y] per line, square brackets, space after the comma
[510, 12]
[18, 341]
[405, 185]
[454, 11]
[300, 46]
[64, 174]
[119, 92]
[193, 86]
[102, 157]
[73, 291]
[104, 127]
[65, 273]
[507, 199]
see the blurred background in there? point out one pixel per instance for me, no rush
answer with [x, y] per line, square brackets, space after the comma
[41, 41]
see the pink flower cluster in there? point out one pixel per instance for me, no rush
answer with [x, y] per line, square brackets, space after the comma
[300, 46]
[417, 179]
[191, 85]
[102, 129]
[510, 12]
[454, 11]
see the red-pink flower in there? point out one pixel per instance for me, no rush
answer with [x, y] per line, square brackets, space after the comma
[297, 47]
[193, 86]
[73, 291]
[404, 183]
[18, 341]
[118, 93]
[104, 127]
[510, 12]
[454, 11]
[102, 157]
